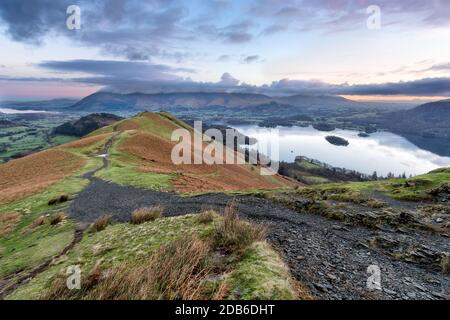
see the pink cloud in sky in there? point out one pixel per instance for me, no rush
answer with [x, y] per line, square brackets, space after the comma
[9, 90]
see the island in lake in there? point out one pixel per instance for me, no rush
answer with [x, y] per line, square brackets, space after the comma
[337, 141]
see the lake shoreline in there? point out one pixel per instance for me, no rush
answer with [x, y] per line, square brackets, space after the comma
[383, 151]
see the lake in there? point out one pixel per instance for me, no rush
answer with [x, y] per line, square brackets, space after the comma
[383, 152]
[14, 111]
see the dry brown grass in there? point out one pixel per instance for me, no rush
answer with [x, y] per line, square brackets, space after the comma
[39, 221]
[146, 214]
[56, 218]
[8, 222]
[86, 142]
[176, 271]
[206, 216]
[127, 125]
[57, 200]
[233, 234]
[26, 176]
[375, 204]
[155, 152]
[101, 223]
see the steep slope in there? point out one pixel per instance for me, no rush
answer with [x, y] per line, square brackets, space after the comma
[141, 156]
[22, 177]
[430, 119]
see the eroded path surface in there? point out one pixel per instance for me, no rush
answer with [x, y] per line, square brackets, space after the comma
[329, 257]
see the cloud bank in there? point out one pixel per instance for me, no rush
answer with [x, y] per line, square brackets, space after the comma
[132, 76]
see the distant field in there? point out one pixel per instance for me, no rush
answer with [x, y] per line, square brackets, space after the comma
[30, 136]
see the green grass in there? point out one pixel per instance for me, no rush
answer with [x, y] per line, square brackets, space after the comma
[260, 275]
[312, 180]
[152, 127]
[35, 136]
[122, 170]
[108, 129]
[60, 139]
[414, 189]
[307, 165]
[22, 249]
[422, 185]
[40, 246]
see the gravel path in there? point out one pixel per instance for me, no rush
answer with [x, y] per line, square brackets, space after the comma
[329, 257]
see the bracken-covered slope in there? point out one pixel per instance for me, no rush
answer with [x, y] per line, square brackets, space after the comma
[141, 156]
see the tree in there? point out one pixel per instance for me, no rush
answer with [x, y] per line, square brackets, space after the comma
[374, 176]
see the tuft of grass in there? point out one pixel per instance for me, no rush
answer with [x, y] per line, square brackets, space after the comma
[124, 253]
[146, 214]
[57, 200]
[39, 221]
[101, 223]
[375, 204]
[175, 271]
[57, 218]
[233, 234]
[8, 222]
[262, 275]
[206, 216]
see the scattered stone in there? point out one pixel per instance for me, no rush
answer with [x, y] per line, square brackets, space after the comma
[418, 286]
[389, 292]
[331, 276]
[383, 242]
[440, 295]
[411, 295]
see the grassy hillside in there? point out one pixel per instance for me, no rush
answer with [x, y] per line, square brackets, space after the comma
[39, 239]
[193, 270]
[141, 156]
[421, 188]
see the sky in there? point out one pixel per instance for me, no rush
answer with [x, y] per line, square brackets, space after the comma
[390, 50]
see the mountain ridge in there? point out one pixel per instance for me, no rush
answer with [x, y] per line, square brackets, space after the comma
[429, 120]
[108, 101]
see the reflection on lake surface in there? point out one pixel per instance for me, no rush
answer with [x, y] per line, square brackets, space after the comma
[383, 152]
[14, 111]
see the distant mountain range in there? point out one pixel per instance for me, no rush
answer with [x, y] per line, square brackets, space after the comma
[428, 120]
[113, 102]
